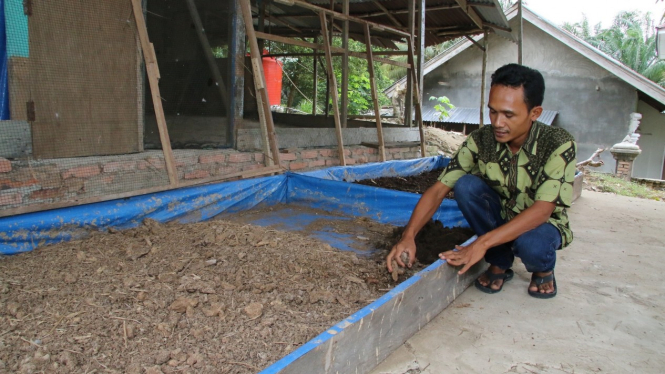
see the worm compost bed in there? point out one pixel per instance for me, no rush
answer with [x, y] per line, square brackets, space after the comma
[111, 289]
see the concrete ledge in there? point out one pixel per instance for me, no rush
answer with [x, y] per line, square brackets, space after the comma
[250, 139]
[361, 341]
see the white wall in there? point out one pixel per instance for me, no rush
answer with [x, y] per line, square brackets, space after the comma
[649, 164]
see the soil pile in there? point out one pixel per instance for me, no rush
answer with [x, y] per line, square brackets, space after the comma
[416, 183]
[446, 142]
[210, 297]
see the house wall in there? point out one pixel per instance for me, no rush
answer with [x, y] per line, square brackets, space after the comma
[593, 105]
[649, 164]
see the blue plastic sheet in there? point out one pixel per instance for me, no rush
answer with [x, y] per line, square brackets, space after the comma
[28, 231]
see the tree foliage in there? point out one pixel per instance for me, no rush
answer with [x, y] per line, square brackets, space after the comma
[630, 39]
[298, 81]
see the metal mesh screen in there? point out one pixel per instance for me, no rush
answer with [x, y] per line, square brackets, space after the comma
[78, 120]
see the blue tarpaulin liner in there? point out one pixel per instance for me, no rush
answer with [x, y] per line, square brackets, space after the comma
[193, 204]
[4, 88]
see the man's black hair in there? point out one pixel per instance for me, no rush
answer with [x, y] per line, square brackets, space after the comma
[514, 75]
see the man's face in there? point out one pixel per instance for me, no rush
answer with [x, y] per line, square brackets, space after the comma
[510, 117]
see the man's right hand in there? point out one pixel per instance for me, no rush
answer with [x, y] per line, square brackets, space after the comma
[404, 245]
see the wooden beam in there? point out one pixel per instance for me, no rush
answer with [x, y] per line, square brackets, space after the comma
[345, 65]
[124, 195]
[471, 13]
[333, 89]
[270, 149]
[152, 71]
[315, 84]
[344, 17]
[475, 42]
[417, 99]
[404, 11]
[420, 47]
[487, 25]
[375, 98]
[207, 51]
[483, 82]
[520, 35]
[387, 13]
[339, 51]
[408, 102]
[457, 35]
[304, 54]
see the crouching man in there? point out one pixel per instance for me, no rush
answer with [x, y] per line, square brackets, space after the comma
[513, 182]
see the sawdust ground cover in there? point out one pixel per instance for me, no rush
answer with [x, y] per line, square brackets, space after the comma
[211, 297]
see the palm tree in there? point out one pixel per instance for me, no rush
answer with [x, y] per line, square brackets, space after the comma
[630, 40]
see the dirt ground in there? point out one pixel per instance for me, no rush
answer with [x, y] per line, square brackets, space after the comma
[208, 298]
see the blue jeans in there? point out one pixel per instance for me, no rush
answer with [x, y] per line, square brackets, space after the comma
[481, 206]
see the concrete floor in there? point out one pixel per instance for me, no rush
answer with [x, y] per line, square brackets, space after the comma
[608, 316]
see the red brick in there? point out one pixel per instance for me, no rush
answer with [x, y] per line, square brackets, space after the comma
[156, 162]
[17, 183]
[350, 161]
[317, 163]
[362, 159]
[81, 172]
[373, 158]
[372, 151]
[252, 167]
[309, 154]
[112, 167]
[287, 156]
[325, 152]
[48, 193]
[10, 199]
[397, 156]
[284, 164]
[197, 174]
[240, 157]
[225, 170]
[259, 157]
[359, 151]
[297, 165]
[332, 162]
[186, 160]
[142, 164]
[5, 165]
[218, 158]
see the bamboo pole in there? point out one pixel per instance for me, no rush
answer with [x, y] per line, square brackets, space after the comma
[265, 116]
[152, 71]
[416, 97]
[333, 89]
[345, 65]
[375, 98]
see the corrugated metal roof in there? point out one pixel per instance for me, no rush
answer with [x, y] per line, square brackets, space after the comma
[441, 18]
[470, 116]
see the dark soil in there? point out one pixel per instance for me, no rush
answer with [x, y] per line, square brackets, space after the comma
[432, 239]
[414, 184]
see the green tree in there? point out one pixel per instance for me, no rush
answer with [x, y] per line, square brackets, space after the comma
[630, 39]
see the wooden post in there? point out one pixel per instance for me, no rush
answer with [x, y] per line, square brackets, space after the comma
[316, 83]
[207, 51]
[375, 98]
[333, 81]
[520, 35]
[152, 71]
[408, 100]
[416, 97]
[265, 116]
[345, 65]
[483, 81]
[420, 47]
[262, 21]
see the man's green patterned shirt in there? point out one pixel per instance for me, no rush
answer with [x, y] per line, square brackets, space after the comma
[543, 169]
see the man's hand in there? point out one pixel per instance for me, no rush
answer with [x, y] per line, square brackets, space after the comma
[404, 245]
[467, 256]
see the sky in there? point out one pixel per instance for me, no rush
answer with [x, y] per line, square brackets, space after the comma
[560, 11]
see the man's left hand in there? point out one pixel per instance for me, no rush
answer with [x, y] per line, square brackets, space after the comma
[467, 256]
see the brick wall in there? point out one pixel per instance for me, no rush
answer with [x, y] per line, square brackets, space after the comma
[25, 183]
